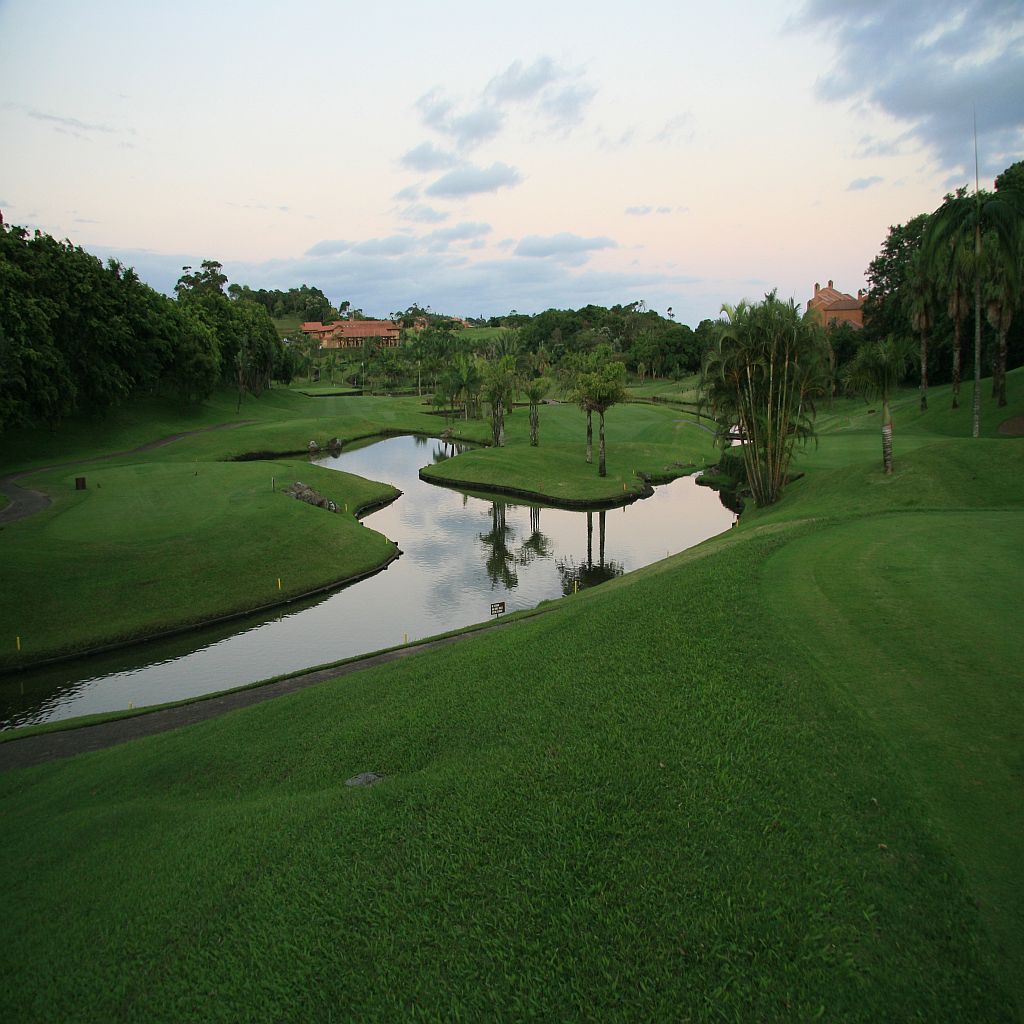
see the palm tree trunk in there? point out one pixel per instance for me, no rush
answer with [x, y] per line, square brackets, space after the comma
[976, 398]
[924, 370]
[534, 424]
[1001, 360]
[590, 438]
[886, 436]
[600, 457]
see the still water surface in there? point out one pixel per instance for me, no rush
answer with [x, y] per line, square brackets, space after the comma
[460, 553]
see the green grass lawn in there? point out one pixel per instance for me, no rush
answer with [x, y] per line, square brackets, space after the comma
[660, 442]
[775, 777]
[185, 534]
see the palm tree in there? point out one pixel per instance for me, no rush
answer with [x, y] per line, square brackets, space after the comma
[1002, 298]
[535, 391]
[962, 218]
[609, 389]
[498, 387]
[922, 313]
[760, 378]
[877, 369]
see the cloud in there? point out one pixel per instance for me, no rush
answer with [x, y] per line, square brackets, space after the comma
[442, 238]
[518, 83]
[379, 284]
[420, 213]
[676, 129]
[466, 130]
[923, 63]
[328, 247]
[557, 95]
[427, 157]
[563, 247]
[862, 183]
[472, 180]
[393, 245]
[409, 194]
[71, 124]
[566, 107]
[646, 211]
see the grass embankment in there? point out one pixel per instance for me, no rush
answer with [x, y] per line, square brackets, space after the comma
[641, 440]
[175, 536]
[189, 537]
[766, 779]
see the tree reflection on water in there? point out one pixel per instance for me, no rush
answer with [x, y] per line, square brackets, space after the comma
[576, 576]
[501, 560]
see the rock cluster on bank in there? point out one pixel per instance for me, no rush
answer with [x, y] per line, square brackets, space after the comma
[303, 492]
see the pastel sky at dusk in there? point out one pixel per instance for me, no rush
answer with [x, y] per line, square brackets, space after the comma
[483, 158]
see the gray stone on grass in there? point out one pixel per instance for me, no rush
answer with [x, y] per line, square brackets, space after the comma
[364, 779]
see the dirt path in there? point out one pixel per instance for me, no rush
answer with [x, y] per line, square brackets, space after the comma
[52, 746]
[27, 502]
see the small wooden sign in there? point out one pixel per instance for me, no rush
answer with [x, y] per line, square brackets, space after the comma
[498, 608]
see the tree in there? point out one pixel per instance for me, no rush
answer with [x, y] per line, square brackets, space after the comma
[922, 313]
[962, 219]
[887, 303]
[208, 280]
[760, 378]
[498, 386]
[877, 369]
[536, 389]
[598, 392]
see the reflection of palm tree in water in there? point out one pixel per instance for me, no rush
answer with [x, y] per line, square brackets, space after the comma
[537, 545]
[576, 577]
[444, 450]
[501, 561]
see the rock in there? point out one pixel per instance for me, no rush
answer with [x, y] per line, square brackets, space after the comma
[364, 779]
[303, 492]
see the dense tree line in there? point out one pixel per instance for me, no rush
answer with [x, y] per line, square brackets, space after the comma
[923, 283]
[305, 302]
[80, 335]
[645, 341]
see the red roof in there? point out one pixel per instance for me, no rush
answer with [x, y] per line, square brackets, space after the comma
[353, 328]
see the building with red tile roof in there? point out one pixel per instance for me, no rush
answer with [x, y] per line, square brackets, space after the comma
[832, 306]
[352, 333]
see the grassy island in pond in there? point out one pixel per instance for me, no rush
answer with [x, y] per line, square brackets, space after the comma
[191, 534]
[775, 777]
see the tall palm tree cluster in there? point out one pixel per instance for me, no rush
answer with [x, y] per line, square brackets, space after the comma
[760, 380]
[971, 259]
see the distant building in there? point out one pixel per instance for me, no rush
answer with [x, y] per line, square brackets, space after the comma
[835, 307]
[352, 333]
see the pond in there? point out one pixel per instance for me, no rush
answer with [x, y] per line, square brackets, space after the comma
[461, 553]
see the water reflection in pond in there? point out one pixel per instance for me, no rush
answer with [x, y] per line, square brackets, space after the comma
[460, 553]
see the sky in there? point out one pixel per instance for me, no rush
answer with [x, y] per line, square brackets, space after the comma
[482, 158]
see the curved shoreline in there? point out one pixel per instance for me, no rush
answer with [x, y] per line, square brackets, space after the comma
[574, 505]
[194, 627]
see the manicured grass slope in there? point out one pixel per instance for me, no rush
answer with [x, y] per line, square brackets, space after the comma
[188, 536]
[610, 813]
[153, 546]
[766, 779]
[183, 534]
[639, 439]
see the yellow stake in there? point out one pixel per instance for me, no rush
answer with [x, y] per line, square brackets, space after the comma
[18, 640]
[278, 582]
